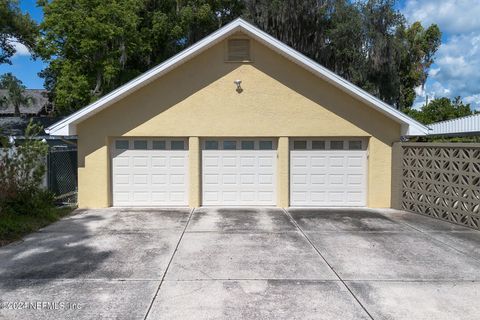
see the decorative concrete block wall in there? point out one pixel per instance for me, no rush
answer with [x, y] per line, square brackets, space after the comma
[440, 180]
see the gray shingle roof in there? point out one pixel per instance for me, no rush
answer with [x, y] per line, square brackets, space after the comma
[15, 126]
[39, 101]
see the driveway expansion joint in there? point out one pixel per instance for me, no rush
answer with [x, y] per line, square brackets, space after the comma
[329, 265]
[168, 265]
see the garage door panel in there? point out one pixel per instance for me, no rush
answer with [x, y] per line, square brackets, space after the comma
[248, 196]
[122, 179]
[354, 197]
[318, 161]
[229, 162]
[243, 177]
[355, 180]
[299, 196]
[229, 196]
[159, 197]
[247, 162]
[247, 179]
[299, 179]
[122, 162]
[122, 196]
[318, 197]
[159, 179]
[150, 177]
[229, 179]
[265, 179]
[211, 196]
[159, 162]
[266, 196]
[336, 196]
[210, 178]
[337, 161]
[177, 179]
[141, 196]
[355, 162]
[299, 162]
[140, 162]
[318, 179]
[177, 162]
[336, 179]
[328, 177]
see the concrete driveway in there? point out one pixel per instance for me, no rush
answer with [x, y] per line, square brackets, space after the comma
[243, 264]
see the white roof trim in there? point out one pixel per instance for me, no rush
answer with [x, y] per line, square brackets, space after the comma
[67, 126]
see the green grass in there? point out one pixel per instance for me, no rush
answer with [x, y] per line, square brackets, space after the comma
[14, 226]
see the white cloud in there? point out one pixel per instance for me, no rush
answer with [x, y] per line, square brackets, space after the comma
[474, 100]
[456, 71]
[20, 49]
[454, 16]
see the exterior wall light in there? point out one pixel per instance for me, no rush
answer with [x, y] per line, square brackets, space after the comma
[239, 85]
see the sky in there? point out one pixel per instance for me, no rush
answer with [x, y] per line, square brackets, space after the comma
[456, 71]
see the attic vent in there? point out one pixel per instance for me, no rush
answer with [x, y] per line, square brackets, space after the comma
[238, 50]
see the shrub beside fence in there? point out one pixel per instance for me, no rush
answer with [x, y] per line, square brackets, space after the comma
[440, 180]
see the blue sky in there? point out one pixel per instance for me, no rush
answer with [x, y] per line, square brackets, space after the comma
[456, 71]
[23, 67]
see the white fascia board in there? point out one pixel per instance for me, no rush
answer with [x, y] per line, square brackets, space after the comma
[68, 125]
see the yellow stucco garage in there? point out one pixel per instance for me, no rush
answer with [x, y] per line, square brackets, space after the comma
[283, 97]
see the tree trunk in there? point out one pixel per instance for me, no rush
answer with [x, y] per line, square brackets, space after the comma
[17, 110]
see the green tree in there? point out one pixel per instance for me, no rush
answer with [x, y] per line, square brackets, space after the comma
[441, 109]
[420, 46]
[367, 42]
[15, 93]
[94, 46]
[15, 27]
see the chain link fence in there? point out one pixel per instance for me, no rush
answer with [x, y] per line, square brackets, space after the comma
[62, 177]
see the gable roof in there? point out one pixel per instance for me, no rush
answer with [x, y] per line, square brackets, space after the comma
[68, 125]
[39, 101]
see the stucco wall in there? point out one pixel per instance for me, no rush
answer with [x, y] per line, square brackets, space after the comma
[198, 99]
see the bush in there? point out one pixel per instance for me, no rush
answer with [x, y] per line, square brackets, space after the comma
[22, 168]
[26, 203]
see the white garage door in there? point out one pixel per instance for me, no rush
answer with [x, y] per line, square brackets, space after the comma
[150, 172]
[238, 172]
[328, 173]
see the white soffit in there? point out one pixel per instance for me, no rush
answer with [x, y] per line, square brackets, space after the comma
[67, 126]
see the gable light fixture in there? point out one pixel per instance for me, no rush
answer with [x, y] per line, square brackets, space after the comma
[239, 85]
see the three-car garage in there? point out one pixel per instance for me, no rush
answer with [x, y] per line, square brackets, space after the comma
[239, 172]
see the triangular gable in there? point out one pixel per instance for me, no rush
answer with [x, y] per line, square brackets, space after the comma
[67, 126]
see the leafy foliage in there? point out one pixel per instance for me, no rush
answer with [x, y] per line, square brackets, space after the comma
[94, 46]
[14, 27]
[367, 42]
[22, 169]
[15, 93]
[441, 109]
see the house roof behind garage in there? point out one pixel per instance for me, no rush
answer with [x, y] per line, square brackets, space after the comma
[38, 101]
[68, 125]
[469, 125]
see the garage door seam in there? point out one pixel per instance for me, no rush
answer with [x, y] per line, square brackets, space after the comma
[328, 264]
[168, 265]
